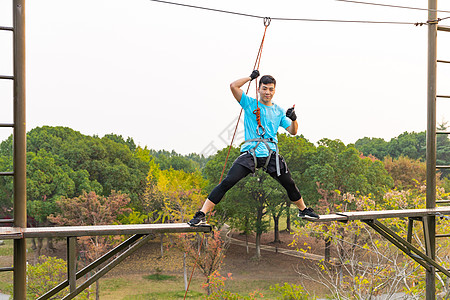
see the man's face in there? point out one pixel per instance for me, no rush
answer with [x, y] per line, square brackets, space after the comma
[266, 92]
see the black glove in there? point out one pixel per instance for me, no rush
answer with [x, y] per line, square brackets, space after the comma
[255, 74]
[290, 113]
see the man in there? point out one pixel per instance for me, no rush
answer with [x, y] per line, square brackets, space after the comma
[260, 148]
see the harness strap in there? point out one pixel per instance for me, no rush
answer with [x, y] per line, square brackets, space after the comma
[265, 141]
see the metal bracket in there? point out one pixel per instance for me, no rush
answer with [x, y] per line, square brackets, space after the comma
[406, 246]
[129, 246]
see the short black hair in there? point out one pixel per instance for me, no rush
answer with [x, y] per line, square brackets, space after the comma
[267, 79]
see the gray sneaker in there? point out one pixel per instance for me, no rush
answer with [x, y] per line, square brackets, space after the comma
[198, 220]
[307, 213]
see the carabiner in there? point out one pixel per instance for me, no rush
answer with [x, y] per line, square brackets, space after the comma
[258, 131]
[267, 21]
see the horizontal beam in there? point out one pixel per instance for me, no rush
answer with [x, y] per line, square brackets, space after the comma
[6, 173]
[444, 235]
[6, 125]
[6, 77]
[10, 233]
[442, 132]
[382, 214]
[6, 28]
[66, 231]
[442, 167]
[442, 96]
[443, 61]
[443, 28]
[6, 220]
[443, 201]
[7, 269]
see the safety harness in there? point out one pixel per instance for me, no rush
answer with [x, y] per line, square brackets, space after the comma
[266, 142]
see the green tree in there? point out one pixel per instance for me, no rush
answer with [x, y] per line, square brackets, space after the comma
[443, 149]
[45, 275]
[111, 161]
[173, 195]
[405, 172]
[207, 253]
[92, 209]
[335, 166]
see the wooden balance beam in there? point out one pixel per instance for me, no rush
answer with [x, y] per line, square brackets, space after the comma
[75, 231]
[382, 214]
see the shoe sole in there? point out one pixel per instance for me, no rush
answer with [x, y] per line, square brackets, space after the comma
[307, 217]
[201, 223]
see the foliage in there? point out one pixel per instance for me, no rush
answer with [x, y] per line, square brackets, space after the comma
[291, 292]
[172, 195]
[47, 274]
[64, 162]
[207, 252]
[172, 160]
[92, 209]
[217, 286]
[405, 171]
[134, 217]
[411, 145]
[339, 167]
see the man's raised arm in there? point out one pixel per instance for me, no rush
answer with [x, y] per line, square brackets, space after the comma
[235, 86]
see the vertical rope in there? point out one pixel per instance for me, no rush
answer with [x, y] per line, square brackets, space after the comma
[255, 67]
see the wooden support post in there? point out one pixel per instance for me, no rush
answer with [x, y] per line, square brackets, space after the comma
[72, 262]
[431, 146]
[19, 151]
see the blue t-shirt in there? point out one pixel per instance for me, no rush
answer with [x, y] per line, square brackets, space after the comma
[272, 117]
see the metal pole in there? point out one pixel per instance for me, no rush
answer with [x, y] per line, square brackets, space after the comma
[19, 156]
[431, 144]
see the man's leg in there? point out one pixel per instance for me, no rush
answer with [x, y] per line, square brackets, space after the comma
[236, 173]
[294, 195]
[208, 206]
[300, 203]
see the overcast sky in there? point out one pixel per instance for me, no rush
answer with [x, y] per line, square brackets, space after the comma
[160, 73]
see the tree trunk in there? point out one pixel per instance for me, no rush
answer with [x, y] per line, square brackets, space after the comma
[259, 216]
[162, 245]
[246, 242]
[208, 287]
[327, 249]
[38, 249]
[258, 245]
[97, 290]
[276, 229]
[288, 216]
[185, 272]
[33, 244]
[50, 245]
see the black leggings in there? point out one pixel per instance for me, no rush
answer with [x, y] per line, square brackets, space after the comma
[237, 172]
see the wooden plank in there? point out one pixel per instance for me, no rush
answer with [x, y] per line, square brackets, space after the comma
[66, 231]
[7, 233]
[382, 214]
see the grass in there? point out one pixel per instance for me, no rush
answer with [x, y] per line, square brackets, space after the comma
[6, 278]
[134, 287]
[159, 277]
[7, 249]
[165, 295]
